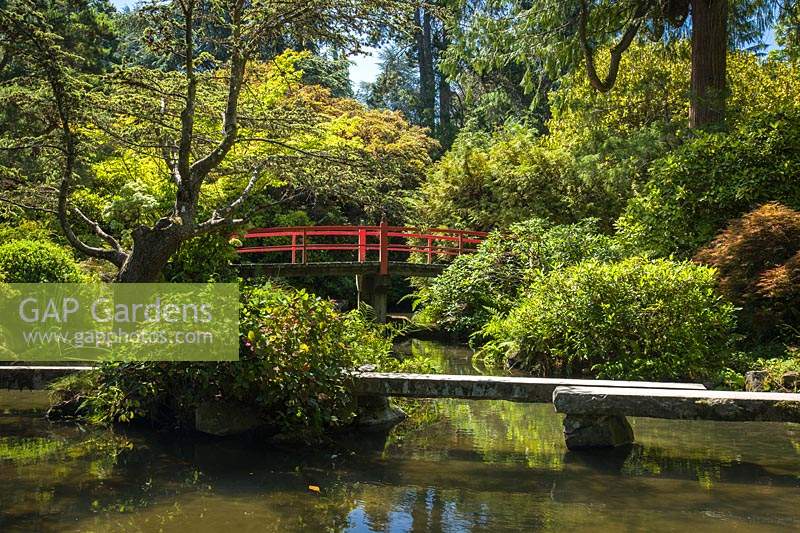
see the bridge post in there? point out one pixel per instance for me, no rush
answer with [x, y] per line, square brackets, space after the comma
[362, 245]
[384, 247]
[373, 290]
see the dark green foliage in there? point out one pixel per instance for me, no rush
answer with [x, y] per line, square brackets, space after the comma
[202, 259]
[294, 350]
[333, 74]
[711, 179]
[26, 261]
[86, 29]
[477, 286]
[635, 319]
[397, 85]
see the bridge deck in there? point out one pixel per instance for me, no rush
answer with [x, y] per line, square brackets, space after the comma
[516, 389]
[678, 404]
[341, 268]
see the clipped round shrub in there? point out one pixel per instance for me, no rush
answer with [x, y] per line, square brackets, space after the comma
[634, 319]
[476, 287]
[27, 261]
[713, 178]
[758, 260]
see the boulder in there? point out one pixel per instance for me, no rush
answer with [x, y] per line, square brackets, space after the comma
[603, 431]
[791, 380]
[755, 380]
[65, 409]
[222, 418]
[377, 412]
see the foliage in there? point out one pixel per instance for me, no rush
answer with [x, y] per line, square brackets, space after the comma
[26, 261]
[597, 150]
[86, 29]
[777, 368]
[203, 259]
[477, 286]
[295, 349]
[333, 74]
[494, 180]
[205, 136]
[550, 37]
[758, 260]
[486, 181]
[634, 319]
[30, 230]
[713, 178]
[396, 86]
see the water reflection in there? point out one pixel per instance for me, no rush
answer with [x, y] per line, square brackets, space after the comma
[454, 466]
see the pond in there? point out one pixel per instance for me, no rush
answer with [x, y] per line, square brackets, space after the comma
[453, 466]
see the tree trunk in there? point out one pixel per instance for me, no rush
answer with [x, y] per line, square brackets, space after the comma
[445, 113]
[709, 55]
[427, 77]
[445, 104]
[152, 249]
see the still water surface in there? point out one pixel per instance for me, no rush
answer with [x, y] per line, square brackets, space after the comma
[454, 466]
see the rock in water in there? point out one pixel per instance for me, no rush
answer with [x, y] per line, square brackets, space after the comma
[223, 418]
[755, 380]
[791, 380]
[377, 412]
[601, 431]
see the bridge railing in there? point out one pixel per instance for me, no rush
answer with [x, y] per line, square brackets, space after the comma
[366, 243]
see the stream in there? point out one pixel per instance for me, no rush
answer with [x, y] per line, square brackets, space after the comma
[453, 466]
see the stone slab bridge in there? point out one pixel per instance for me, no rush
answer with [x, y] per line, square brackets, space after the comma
[370, 253]
[595, 410]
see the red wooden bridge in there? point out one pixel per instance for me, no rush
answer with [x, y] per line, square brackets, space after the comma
[371, 253]
[338, 250]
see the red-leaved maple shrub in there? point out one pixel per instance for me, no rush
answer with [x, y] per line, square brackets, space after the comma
[758, 259]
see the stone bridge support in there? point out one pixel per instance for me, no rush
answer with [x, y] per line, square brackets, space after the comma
[373, 290]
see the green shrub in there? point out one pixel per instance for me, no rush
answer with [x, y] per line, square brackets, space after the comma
[783, 373]
[758, 260]
[488, 181]
[634, 319]
[26, 261]
[294, 350]
[27, 230]
[711, 179]
[203, 259]
[475, 287]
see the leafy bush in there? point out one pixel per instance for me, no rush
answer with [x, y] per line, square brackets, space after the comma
[486, 181]
[783, 373]
[495, 180]
[475, 287]
[295, 349]
[26, 261]
[27, 230]
[758, 259]
[203, 259]
[634, 319]
[711, 179]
